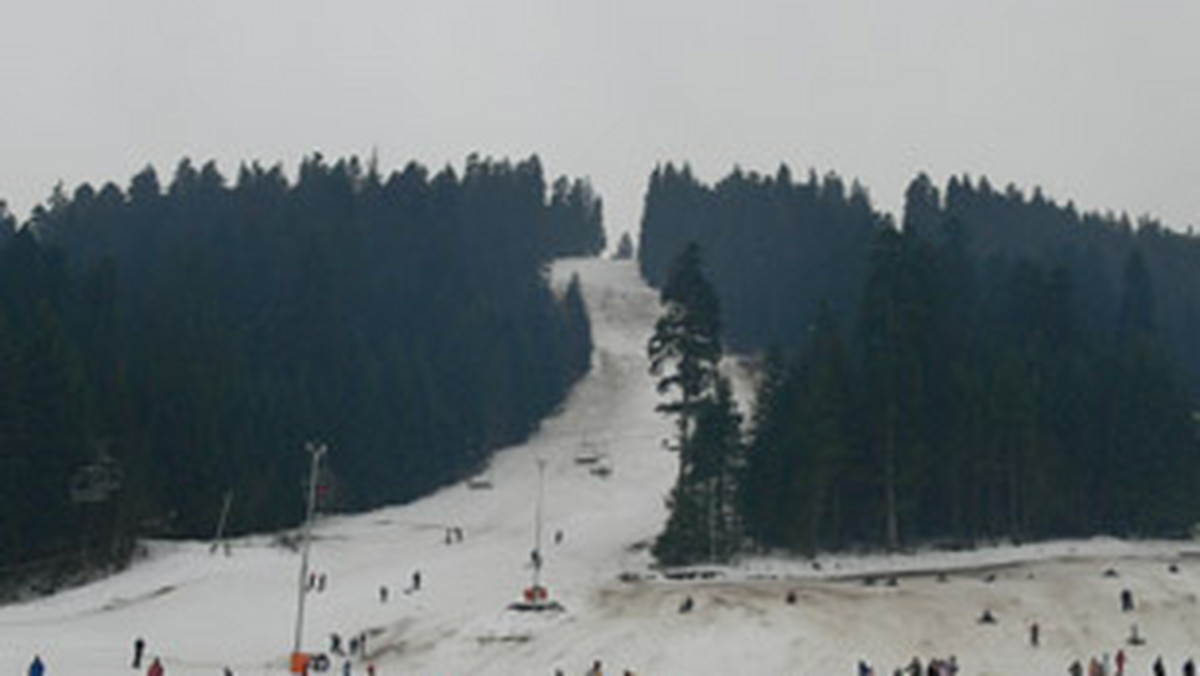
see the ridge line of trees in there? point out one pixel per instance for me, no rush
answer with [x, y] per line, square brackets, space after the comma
[1009, 369]
[198, 332]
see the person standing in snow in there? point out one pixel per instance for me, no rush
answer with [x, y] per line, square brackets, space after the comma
[597, 669]
[139, 647]
[1159, 669]
[1120, 662]
[1076, 669]
[346, 668]
[156, 668]
[228, 671]
[1126, 601]
[1189, 668]
[1034, 632]
[416, 580]
[36, 668]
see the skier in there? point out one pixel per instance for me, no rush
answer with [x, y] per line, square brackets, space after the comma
[1189, 668]
[864, 669]
[346, 668]
[156, 668]
[558, 537]
[1034, 630]
[335, 644]
[1126, 601]
[36, 668]
[791, 597]
[370, 670]
[228, 671]
[1076, 669]
[416, 580]
[139, 647]
[1120, 662]
[687, 605]
[383, 593]
[597, 669]
[1159, 669]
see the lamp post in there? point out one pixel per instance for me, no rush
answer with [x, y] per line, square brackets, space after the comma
[316, 450]
[537, 532]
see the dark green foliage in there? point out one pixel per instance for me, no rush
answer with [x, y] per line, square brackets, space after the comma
[686, 346]
[201, 332]
[985, 396]
[685, 351]
[777, 249]
[576, 219]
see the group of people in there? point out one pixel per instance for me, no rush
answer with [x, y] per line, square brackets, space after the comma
[454, 534]
[935, 667]
[597, 669]
[316, 581]
[38, 668]
[1104, 666]
[156, 666]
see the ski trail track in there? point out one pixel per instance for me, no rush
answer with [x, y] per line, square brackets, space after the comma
[201, 612]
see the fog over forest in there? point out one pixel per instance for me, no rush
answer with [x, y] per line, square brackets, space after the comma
[1094, 101]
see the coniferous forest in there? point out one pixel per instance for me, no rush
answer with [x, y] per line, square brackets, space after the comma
[995, 366]
[195, 334]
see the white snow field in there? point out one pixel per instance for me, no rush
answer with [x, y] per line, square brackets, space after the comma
[202, 612]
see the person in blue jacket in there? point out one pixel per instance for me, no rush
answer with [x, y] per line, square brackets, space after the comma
[36, 668]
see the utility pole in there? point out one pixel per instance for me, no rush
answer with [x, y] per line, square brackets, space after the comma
[217, 539]
[316, 450]
[537, 531]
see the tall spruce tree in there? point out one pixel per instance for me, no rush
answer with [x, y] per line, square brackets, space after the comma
[685, 352]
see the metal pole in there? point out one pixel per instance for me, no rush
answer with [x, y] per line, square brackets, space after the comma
[712, 519]
[537, 533]
[316, 450]
[216, 543]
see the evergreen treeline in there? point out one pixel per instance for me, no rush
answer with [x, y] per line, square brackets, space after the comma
[975, 397]
[1091, 248]
[779, 250]
[200, 332]
[997, 366]
[776, 249]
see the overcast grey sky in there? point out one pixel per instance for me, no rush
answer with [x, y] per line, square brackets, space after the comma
[1095, 100]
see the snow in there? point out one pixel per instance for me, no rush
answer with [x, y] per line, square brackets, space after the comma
[201, 612]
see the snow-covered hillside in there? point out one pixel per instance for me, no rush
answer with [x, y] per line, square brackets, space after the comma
[202, 612]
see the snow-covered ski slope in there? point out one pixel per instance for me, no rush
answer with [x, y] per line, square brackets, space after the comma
[201, 612]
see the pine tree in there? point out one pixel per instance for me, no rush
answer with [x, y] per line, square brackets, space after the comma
[686, 346]
[685, 351]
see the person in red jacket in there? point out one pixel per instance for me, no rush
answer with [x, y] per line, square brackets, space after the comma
[156, 668]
